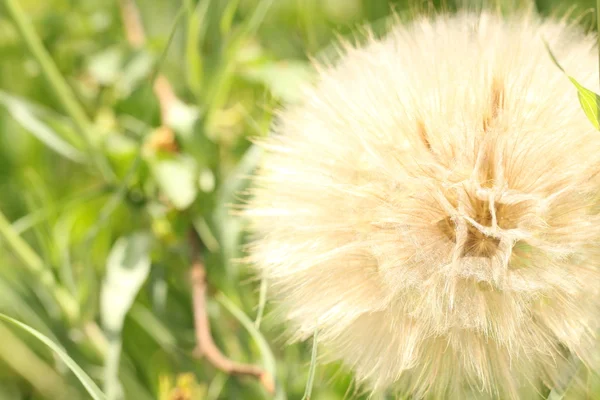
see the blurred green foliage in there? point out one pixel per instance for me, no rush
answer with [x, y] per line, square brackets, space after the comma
[100, 264]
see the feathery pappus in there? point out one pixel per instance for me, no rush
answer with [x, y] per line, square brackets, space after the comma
[432, 207]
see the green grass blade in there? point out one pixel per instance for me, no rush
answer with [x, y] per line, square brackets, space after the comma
[227, 17]
[216, 386]
[70, 202]
[553, 57]
[220, 88]
[568, 377]
[196, 31]
[251, 25]
[59, 85]
[153, 325]
[265, 351]
[36, 266]
[206, 234]
[18, 355]
[24, 252]
[163, 55]
[85, 380]
[262, 301]
[29, 121]
[14, 302]
[313, 368]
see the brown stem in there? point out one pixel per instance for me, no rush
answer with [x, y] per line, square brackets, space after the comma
[163, 138]
[206, 346]
[166, 96]
[132, 22]
[136, 37]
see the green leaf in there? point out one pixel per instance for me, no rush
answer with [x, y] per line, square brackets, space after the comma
[312, 370]
[132, 387]
[216, 386]
[134, 72]
[590, 101]
[114, 67]
[196, 31]
[182, 118]
[177, 178]
[106, 65]
[127, 268]
[148, 321]
[265, 351]
[85, 380]
[31, 121]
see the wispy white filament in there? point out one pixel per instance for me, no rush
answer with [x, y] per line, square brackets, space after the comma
[432, 206]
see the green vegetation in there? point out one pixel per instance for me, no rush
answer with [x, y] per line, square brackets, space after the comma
[102, 184]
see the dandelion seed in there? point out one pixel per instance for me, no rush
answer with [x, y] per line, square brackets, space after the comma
[432, 206]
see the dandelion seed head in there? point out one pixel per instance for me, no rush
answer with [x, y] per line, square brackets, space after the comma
[432, 207]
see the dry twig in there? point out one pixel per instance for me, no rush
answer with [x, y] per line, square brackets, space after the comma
[206, 346]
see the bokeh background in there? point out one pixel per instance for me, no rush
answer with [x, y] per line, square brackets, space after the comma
[99, 187]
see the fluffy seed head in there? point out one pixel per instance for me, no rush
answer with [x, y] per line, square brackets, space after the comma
[432, 207]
